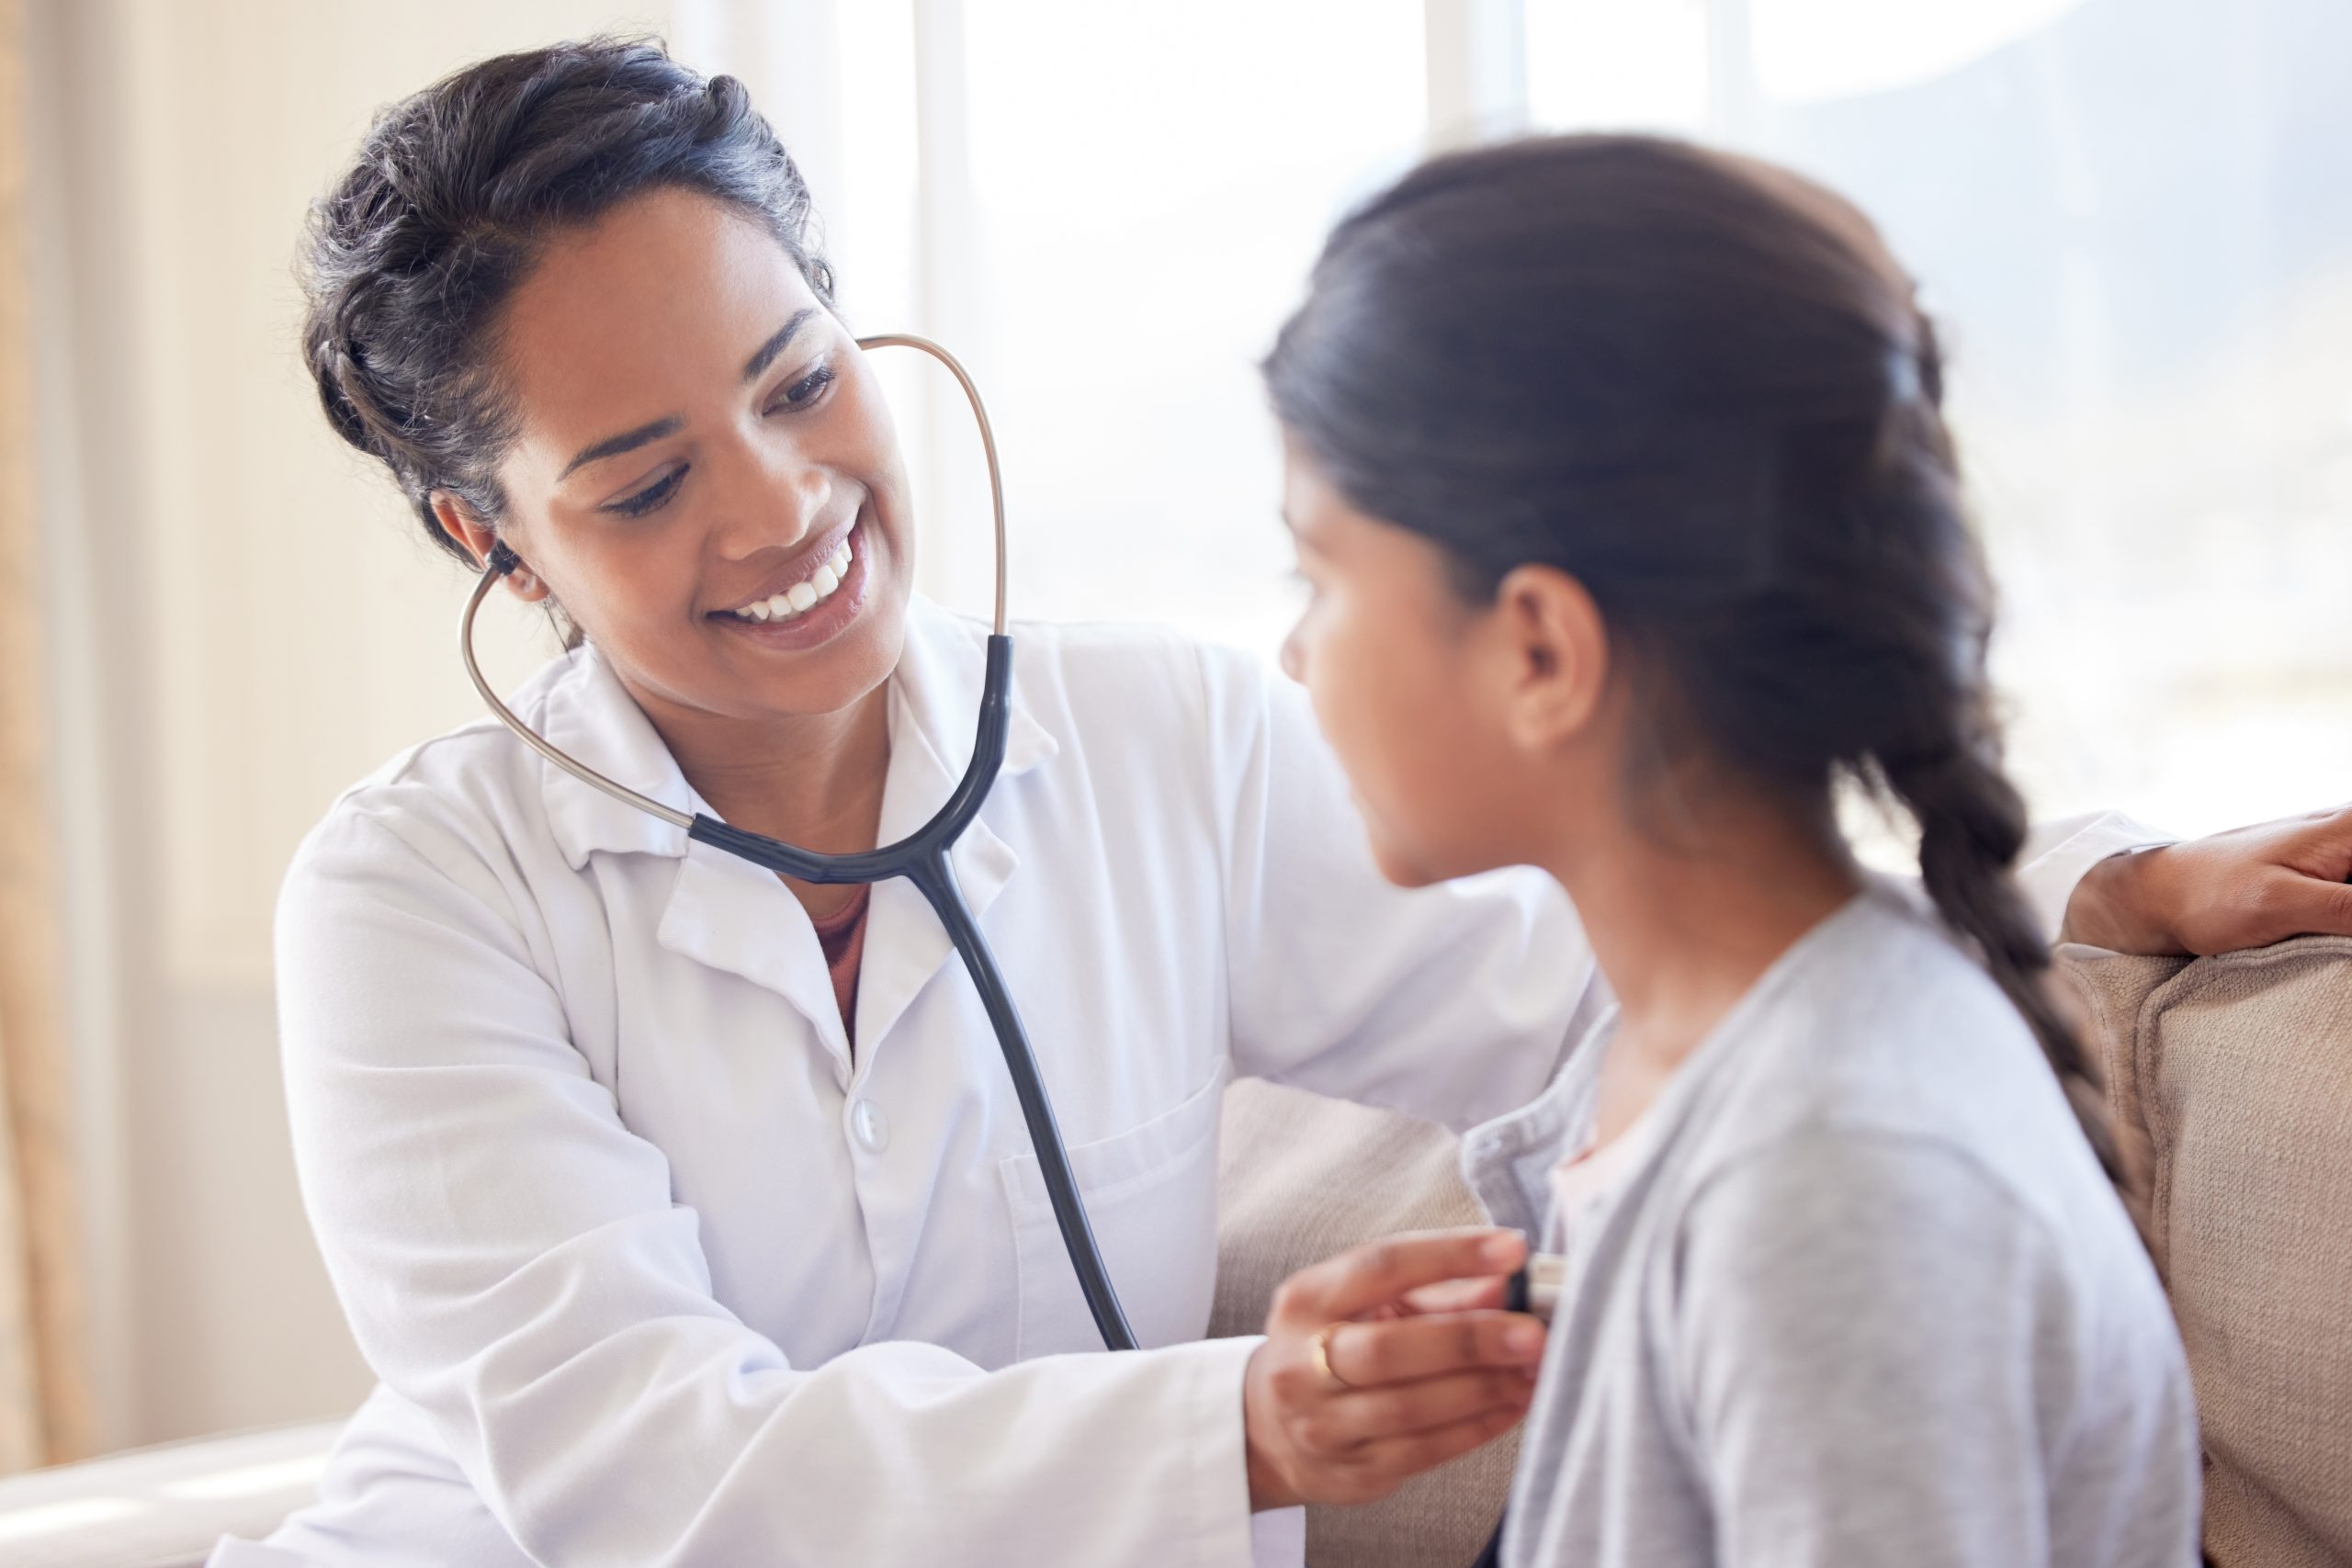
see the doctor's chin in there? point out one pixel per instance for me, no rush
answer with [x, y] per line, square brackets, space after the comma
[1320, 783]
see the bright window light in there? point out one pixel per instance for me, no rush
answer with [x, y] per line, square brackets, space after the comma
[1609, 65]
[1141, 231]
[1808, 51]
[2125, 216]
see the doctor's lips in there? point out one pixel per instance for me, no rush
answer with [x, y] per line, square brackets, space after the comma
[810, 591]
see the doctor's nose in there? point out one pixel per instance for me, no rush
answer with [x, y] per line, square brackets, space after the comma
[778, 507]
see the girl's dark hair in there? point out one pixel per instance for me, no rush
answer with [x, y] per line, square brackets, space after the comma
[412, 257]
[1702, 387]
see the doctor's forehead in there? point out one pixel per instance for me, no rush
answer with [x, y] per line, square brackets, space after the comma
[651, 312]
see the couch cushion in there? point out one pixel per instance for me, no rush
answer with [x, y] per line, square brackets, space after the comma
[1301, 1178]
[2237, 1072]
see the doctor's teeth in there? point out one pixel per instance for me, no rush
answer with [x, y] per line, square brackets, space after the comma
[821, 585]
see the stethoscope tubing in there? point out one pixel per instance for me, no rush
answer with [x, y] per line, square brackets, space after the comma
[922, 858]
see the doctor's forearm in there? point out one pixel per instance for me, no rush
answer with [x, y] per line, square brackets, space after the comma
[2249, 887]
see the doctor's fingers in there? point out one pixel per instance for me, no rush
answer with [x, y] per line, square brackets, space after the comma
[1381, 1274]
[1395, 1460]
[1366, 1417]
[1358, 1447]
[1363, 1355]
[1453, 1295]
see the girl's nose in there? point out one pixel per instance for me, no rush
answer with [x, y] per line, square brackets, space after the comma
[1294, 657]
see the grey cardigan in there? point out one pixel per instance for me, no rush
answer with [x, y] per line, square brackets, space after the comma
[1864, 1296]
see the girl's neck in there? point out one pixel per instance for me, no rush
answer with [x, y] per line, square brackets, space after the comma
[1685, 920]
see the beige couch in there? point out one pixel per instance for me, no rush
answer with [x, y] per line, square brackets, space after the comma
[2235, 1071]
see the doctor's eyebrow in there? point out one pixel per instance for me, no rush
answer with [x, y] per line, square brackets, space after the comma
[777, 344]
[629, 440]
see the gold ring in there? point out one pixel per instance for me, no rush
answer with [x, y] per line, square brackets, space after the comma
[1323, 1354]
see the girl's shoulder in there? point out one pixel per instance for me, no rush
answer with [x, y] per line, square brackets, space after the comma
[1880, 1016]
[1884, 1040]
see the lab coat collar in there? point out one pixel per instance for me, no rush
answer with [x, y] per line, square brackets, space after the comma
[934, 697]
[733, 916]
[934, 721]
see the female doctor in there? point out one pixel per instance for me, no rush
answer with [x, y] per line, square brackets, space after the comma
[686, 1213]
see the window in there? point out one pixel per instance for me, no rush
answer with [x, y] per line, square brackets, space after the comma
[2128, 218]
[1138, 236]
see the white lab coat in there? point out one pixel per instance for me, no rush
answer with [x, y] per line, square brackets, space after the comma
[654, 1269]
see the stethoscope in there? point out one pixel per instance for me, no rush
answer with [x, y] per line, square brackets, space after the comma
[921, 858]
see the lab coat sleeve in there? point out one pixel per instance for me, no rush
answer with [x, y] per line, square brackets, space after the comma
[1454, 1003]
[512, 1262]
[2058, 852]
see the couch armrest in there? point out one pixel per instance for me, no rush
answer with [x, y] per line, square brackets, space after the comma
[159, 1507]
[2236, 1072]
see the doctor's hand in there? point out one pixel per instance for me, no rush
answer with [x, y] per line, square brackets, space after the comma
[2245, 888]
[1369, 1375]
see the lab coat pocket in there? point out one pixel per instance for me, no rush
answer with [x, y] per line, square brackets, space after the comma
[1151, 1194]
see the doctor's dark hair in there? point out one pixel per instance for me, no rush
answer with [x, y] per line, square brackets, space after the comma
[1702, 387]
[410, 260]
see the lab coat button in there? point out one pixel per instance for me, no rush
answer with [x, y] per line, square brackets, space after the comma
[873, 1128]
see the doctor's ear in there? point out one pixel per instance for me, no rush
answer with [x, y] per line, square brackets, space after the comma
[477, 538]
[1556, 647]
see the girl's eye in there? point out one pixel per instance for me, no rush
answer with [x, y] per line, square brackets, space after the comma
[805, 390]
[652, 498]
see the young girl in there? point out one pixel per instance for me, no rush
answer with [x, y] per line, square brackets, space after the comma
[1617, 470]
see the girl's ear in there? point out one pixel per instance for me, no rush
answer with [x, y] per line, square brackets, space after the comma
[462, 523]
[1556, 646]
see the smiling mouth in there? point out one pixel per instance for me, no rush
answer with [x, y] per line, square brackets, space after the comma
[803, 596]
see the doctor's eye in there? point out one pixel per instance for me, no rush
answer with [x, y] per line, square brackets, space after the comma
[805, 391]
[651, 498]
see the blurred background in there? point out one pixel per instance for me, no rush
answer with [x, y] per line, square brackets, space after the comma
[2130, 214]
